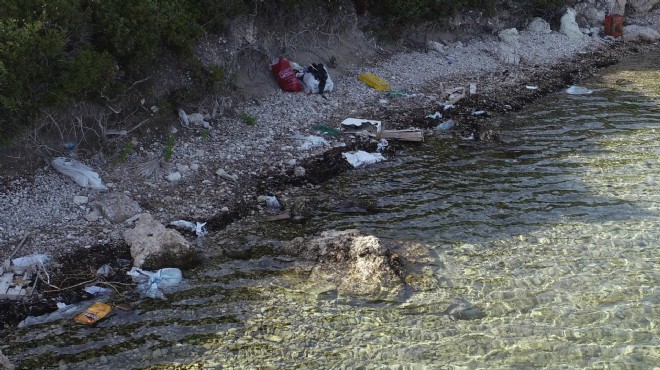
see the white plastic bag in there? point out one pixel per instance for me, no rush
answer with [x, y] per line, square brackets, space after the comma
[80, 173]
[362, 158]
[150, 284]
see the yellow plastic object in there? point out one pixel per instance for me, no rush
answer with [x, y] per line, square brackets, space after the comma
[374, 81]
[94, 313]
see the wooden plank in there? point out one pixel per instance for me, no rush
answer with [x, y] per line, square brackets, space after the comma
[405, 135]
[14, 292]
[5, 282]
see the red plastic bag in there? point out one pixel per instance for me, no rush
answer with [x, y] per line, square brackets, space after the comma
[286, 76]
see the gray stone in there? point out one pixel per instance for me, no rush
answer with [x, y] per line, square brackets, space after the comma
[539, 25]
[116, 207]
[616, 6]
[639, 33]
[641, 6]
[80, 199]
[508, 55]
[92, 216]
[569, 26]
[299, 171]
[510, 37]
[153, 246]
[4, 363]
[175, 176]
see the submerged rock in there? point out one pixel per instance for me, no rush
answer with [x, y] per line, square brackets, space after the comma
[365, 266]
[464, 310]
[350, 262]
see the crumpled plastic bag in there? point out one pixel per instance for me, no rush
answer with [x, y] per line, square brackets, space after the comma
[27, 261]
[151, 283]
[199, 228]
[83, 175]
[361, 158]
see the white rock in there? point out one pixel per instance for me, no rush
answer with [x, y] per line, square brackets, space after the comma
[222, 173]
[80, 199]
[569, 26]
[510, 37]
[639, 33]
[175, 176]
[299, 171]
[539, 25]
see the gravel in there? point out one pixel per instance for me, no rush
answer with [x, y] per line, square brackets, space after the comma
[48, 207]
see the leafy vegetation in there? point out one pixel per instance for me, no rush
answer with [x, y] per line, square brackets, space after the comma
[169, 147]
[248, 119]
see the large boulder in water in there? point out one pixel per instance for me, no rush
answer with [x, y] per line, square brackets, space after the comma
[350, 262]
[363, 265]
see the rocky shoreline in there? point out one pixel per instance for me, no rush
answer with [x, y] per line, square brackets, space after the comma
[48, 213]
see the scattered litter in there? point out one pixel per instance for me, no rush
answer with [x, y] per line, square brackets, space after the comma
[310, 141]
[480, 113]
[327, 130]
[93, 289]
[151, 283]
[374, 81]
[468, 138]
[361, 158]
[80, 173]
[531, 87]
[32, 260]
[271, 202]
[436, 115]
[286, 76]
[449, 106]
[383, 101]
[17, 285]
[94, 313]
[447, 125]
[578, 90]
[316, 79]
[104, 270]
[382, 144]
[473, 89]
[222, 173]
[361, 124]
[198, 228]
[64, 311]
[454, 95]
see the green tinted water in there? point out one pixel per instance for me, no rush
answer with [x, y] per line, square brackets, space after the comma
[554, 234]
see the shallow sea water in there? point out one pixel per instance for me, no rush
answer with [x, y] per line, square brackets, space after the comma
[554, 234]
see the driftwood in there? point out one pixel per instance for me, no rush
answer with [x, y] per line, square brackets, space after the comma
[403, 135]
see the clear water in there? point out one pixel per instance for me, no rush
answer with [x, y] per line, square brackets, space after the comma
[554, 234]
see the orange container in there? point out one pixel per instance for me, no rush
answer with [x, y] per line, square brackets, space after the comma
[614, 25]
